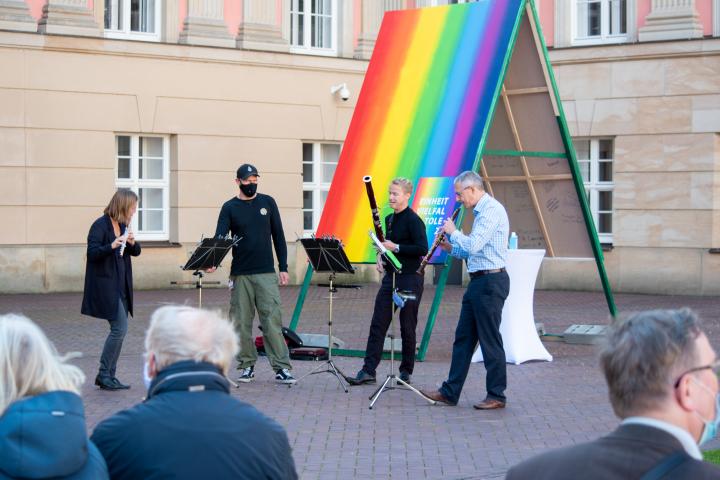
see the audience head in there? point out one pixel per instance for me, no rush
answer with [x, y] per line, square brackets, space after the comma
[179, 333]
[660, 364]
[29, 364]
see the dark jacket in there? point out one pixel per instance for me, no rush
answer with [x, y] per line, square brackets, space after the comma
[102, 290]
[627, 453]
[44, 437]
[190, 427]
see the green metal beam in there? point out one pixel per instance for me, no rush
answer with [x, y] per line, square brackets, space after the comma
[301, 297]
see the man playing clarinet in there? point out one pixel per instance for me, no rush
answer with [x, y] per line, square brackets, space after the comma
[485, 250]
[405, 236]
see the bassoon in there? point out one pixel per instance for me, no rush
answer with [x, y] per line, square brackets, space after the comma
[438, 240]
[374, 208]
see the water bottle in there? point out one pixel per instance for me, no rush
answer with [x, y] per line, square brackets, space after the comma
[513, 244]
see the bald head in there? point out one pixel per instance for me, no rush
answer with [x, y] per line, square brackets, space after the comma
[179, 333]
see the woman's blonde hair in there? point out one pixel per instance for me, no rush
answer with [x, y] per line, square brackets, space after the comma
[120, 204]
[404, 183]
[29, 363]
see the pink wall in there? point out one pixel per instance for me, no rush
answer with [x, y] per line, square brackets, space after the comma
[233, 15]
[704, 9]
[36, 8]
[643, 8]
[547, 20]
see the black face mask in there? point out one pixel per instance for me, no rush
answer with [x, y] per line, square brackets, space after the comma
[248, 190]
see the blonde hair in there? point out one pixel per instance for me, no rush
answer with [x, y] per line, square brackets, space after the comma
[29, 363]
[404, 183]
[120, 204]
[179, 333]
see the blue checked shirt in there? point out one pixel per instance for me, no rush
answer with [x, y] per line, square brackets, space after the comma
[486, 246]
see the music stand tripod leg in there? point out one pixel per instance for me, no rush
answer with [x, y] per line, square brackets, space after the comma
[329, 365]
[392, 377]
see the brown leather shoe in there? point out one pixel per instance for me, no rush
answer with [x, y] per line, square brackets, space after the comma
[489, 404]
[436, 396]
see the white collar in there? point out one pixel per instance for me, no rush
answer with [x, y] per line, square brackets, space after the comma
[685, 439]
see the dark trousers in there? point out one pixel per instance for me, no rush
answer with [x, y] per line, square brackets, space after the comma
[480, 317]
[113, 342]
[381, 321]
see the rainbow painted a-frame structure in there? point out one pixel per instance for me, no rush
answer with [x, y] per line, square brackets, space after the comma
[454, 88]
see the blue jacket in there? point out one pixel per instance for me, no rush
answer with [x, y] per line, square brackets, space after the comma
[102, 291]
[190, 427]
[44, 437]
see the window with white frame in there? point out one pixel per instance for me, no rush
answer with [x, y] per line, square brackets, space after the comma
[319, 163]
[313, 26]
[595, 159]
[133, 19]
[143, 166]
[600, 21]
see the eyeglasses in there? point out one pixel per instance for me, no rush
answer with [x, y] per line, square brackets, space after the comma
[714, 366]
[459, 194]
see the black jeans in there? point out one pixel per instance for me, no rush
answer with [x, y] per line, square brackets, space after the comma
[113, 342]
[480, 318]
[381, 321]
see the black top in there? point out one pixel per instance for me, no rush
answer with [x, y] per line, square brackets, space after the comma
[407, 230]
[104, 280]
[255, 221]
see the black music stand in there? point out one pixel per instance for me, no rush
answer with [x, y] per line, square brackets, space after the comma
[326, 254]
[208, 254]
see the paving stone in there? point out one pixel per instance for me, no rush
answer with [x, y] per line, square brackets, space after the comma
[335, 435]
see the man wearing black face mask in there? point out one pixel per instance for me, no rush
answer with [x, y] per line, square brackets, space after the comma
[255, 218]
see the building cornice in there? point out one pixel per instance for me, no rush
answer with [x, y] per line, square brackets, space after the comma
[636, 51]
[174, 52]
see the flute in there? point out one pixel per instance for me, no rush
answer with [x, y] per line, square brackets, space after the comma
[438, 240]
[124, 240]
[374, 208]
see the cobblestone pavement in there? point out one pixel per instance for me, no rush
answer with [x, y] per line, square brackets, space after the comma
[335, 435]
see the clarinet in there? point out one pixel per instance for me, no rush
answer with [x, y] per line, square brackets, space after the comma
[438, 240]
[374, 208]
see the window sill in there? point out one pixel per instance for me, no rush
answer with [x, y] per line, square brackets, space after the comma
[607, 247]
[136, 36]
[159, 244]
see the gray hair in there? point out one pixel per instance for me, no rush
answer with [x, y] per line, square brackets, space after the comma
[29, 363]
[643, 354]
[469, 179]
[179, 333]
[404, 184]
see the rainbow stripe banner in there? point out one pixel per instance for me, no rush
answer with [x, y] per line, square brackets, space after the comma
[423, 109]
[434, 202]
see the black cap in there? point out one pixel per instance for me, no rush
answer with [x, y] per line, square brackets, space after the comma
[246, 170]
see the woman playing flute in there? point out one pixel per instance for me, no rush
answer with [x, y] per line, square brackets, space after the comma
[108, 290]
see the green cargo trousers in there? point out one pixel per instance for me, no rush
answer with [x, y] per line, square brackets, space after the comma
[261, 291]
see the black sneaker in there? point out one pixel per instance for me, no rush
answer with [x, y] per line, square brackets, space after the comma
[247, 374]
[361, 378]
[284, 376]
[405, 377]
